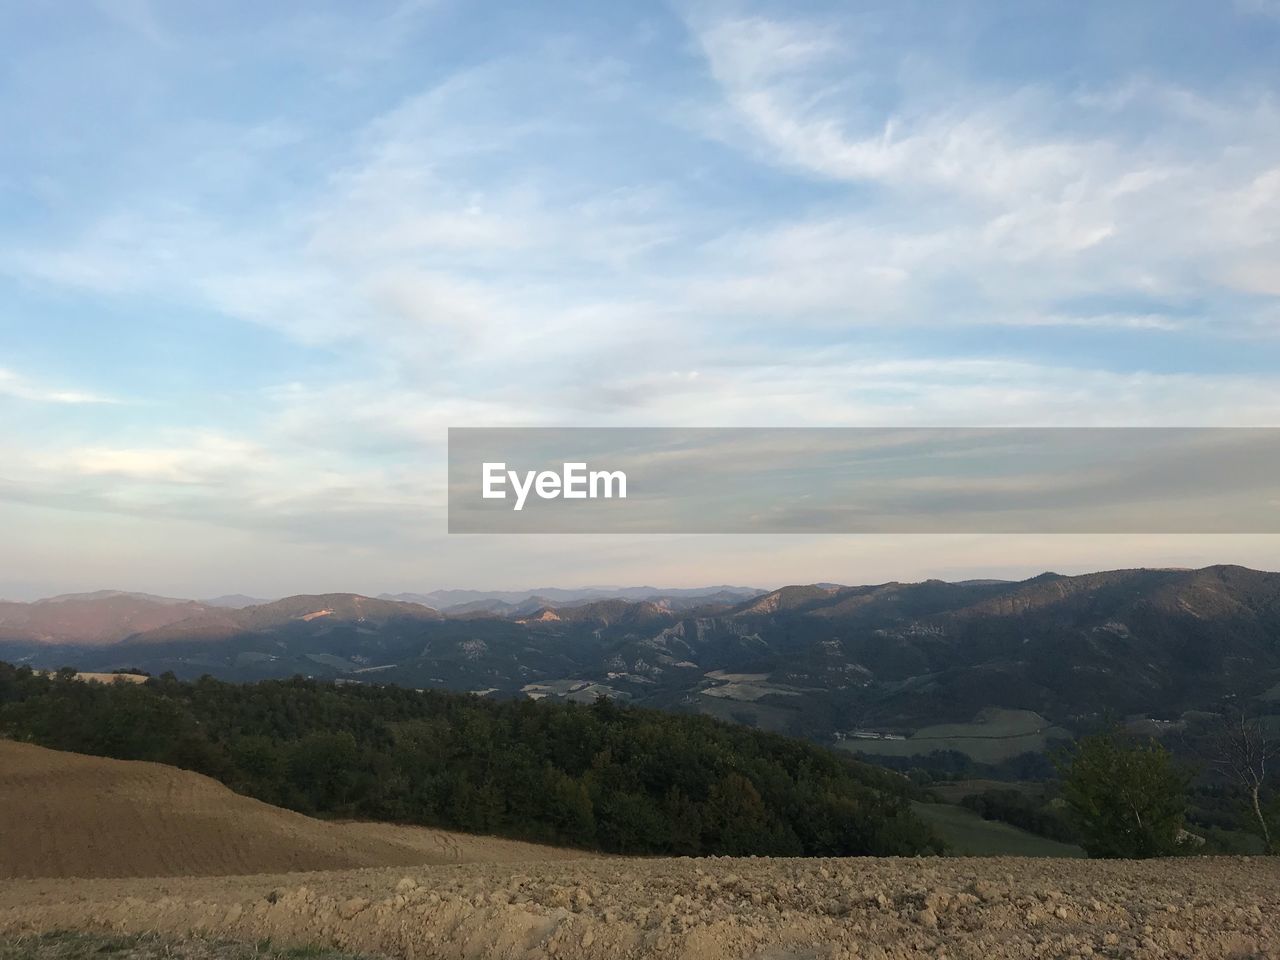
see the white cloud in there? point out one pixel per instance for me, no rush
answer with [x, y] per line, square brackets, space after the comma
[444, 259]
[990, 205]
[202, 459]
[784, 82]
[21, 388]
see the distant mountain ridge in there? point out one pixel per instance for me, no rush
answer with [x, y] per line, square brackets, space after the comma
[236, 601]
[819, 660]
[112, 595]
[108, 617]
[105, 617]
[517, 601]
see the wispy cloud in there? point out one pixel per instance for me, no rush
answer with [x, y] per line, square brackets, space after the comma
[203, 459]
[22, 388]
[1021, 197]
[740, 216]
[788, 84]
[1265, 8]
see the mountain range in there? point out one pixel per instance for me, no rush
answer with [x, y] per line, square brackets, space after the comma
[868, 666]
[526, 601]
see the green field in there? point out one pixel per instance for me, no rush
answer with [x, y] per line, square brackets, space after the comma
[762, 716]
[968, 835]
[994, 735]
[954, 791]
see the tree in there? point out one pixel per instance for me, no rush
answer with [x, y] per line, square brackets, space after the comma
[323, 766]
[1242, 752]
[1128, 799]
[607, 776]
[738, 822]
[262, 765]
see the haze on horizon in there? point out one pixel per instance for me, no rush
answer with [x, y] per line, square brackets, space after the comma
[255, 260]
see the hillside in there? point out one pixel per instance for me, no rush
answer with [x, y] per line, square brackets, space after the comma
[69, 815]
[106, 618]
[92, 619]
[323, 610]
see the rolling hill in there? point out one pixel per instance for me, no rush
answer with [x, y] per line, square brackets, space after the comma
[69, 815]
[91, 619]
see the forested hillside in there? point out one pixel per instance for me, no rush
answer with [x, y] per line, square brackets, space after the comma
[602, 776]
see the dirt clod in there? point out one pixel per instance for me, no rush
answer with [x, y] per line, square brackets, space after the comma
[617, 909]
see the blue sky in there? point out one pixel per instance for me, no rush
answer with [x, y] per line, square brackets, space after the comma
[256, 258]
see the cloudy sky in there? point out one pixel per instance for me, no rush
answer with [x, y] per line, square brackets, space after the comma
[256, 258]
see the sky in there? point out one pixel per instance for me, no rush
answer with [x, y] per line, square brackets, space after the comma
[255, 259]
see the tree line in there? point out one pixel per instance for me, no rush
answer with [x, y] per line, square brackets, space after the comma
[605, 777]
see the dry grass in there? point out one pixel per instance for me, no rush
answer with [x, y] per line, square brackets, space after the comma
[69, 815]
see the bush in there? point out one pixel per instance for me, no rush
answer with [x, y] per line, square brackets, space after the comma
[1017, 809]
[1127, 799]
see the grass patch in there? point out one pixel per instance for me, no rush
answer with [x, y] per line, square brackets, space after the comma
[91, 946]
[993, 736]
[968, 835]
[953, 791]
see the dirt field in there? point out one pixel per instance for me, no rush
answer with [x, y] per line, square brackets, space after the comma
[88, 946]
[703, 909]
[522, 901]
[68, 815]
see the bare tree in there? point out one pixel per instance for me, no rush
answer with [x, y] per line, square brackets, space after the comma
[1246, 756]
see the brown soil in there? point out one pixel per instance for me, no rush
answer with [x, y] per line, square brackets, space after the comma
[704, 909]
[527, 904]
[89, 946]
[69, 815]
